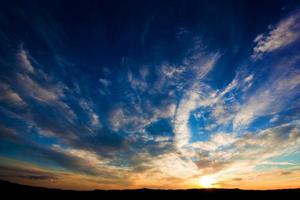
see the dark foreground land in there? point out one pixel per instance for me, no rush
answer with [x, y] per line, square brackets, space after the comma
[10, 190]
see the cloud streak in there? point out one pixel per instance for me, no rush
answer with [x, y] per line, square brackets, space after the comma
[283, 34]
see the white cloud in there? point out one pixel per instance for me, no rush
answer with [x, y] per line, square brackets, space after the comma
[168, 75]
[36, 91]
[187, 104]
[47, 132]
[215, 141]
[276, 163]
[89, 157]
[204, 65]
[206, 146]
[198, 95]
[24, 61]
[166, 111]
[272, 96]
[136, 83]
[230, 152]
[131, 119]
[242, 154]
[144, 72]
[117, 118]
[274, 118]
[105, 82]
[10, 96]
[249, 78]
[223, 138]
[172, 165]
[284, 33]
[51, 94]
[41, 87]
[135, 118]
[94, 118]
[169, 71]
[66, 109]
[231, 86]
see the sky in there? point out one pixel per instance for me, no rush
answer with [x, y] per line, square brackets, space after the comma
[150, 94]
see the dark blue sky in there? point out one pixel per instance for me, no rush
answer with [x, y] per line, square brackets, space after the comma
[126, 93]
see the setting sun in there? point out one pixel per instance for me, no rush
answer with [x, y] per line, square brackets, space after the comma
[207, 181]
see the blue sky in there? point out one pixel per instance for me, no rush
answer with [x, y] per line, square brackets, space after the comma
[150, 93]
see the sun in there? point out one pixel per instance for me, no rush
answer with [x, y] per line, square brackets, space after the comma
[207, 181]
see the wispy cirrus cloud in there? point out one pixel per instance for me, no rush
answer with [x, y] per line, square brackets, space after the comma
[226, 154]
[279, 89]
[24, 60]
[281, 35]
[10, 96]
[94, 118]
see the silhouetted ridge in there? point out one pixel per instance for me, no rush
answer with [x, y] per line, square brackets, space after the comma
[14, 189]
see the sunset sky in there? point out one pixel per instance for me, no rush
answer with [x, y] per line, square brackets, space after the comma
[150, 94]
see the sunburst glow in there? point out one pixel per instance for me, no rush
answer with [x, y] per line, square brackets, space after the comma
[207, 181]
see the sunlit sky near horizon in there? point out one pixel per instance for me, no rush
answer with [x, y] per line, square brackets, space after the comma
[150, 94]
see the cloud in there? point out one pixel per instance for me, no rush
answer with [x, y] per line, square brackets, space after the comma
[10, 96]
[94, 118]
[136, 116]
[283, 34]
[216, 141]
[276, 163]
[188, 104]
[170, 72]
[36, 91]
[246, 152]
[65, 159]
[45, 92]
[144, 72]
[222, 139]
[263, 179]
[273, 95]
[37, 175]
[53, 115]
[193, 98]
[14, 172]
[24, 61]
[9, 133]
[286, 173]
[32, 149]
[117, 118]
[41, 87]
[56, 124]
[172, 165]
[136, 83]
[105, 82]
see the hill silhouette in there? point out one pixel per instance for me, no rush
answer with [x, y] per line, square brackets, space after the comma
[13, 189]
